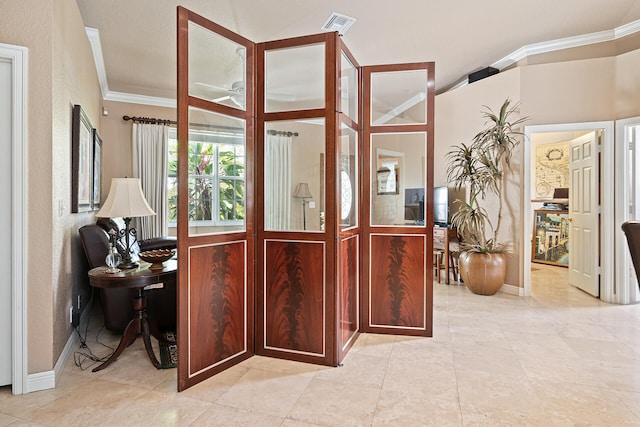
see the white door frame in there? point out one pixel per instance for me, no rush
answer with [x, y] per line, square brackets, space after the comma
[17, 55]
[607, 212]
[626, 291]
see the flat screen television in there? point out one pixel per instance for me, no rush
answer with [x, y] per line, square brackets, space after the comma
[441, 206]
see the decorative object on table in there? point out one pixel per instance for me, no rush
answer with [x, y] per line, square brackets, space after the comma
[126, 200]
[482, 167]
[157, 257]
[113, 258]
[81, 161]
[302, 192]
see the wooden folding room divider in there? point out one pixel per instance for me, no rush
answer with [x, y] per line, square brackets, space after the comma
[284, 267]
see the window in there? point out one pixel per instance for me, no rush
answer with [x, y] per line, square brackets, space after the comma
[216, 161]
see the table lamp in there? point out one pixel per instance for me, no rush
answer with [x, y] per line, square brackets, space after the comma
[302, 192]
[126, 200]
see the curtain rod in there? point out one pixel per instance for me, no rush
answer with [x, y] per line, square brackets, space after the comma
[281, 132]
[149, 120]
[152, 121]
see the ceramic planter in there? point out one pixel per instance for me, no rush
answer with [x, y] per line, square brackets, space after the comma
[483, 274]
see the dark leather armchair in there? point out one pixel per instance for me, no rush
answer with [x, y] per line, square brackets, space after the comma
[632, 231]
[117, 305]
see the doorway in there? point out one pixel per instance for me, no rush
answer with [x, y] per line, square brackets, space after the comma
[627, 179]
[539, 184]
[13, 72]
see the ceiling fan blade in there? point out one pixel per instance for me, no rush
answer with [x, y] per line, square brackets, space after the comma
[281, 97]
[235, 101]
[214, 87]
[222, 98]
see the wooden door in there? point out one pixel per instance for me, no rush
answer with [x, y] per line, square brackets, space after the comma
[584, 253]
[397, 242]
[215, 193]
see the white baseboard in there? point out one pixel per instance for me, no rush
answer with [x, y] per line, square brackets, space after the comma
[40, 381]
[512, 290]
[48, 379]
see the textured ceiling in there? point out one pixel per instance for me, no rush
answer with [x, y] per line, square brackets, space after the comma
[139, 36]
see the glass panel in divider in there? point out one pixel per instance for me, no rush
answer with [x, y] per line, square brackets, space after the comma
[398, 179]
[294, 175]
[294, 78]
[216, 68]
[348, 177]
[216, 174]
[348, 88]
[399, 98]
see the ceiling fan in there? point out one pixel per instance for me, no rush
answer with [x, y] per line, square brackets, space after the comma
[236, 93]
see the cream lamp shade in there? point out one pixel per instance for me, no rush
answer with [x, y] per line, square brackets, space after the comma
[125, 200]
[302, 192]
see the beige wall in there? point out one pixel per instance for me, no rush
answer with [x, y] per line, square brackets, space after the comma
[116, 137]
[75, 81]
[60, 73]
[587, 90]
[569, 92]
[31, 25]
[458, 119]
[627, 85]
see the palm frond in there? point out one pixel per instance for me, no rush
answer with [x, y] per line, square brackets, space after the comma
[481, 166]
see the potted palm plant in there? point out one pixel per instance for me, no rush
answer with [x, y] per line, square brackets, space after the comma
[481, 167]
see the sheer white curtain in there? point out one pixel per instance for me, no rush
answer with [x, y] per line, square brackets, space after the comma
[150, 152]
[277, 183]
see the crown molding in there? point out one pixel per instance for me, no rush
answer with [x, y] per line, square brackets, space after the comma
[96, 47]
[108, 95]
[560, 44]
[133, 98]
[514, 57]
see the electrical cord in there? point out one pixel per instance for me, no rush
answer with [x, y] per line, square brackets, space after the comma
[85, 358]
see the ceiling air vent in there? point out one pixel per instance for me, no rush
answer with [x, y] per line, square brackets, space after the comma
[338, 22]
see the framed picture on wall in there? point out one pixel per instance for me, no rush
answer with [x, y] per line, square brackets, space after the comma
[97, 171]
[81, 161]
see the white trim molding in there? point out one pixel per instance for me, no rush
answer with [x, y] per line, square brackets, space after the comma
[96, 47]
[18, 56]
[515, 56]
[108, 95]
[606, 177]
[561, 44]
[512, 290]
[626, 291]
[140, 99]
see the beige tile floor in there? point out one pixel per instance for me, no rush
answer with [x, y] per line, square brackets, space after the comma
[557, 358]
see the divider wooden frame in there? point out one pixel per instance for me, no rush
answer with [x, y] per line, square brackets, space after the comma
[310, 291]
[311, 255]
[396, 286]
[215, 272]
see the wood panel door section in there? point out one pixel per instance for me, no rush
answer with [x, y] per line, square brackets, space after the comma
[294, 303]
[584, 256]
[348, 293]
[215, 275]
[218, 302]
[398, 283]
